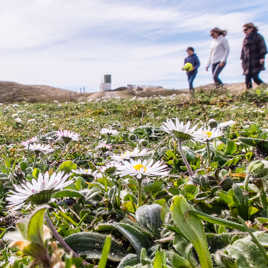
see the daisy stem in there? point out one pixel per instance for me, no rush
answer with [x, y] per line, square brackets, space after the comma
[184, 159]
[35, 158]
[58, 237]
[139, 192]
[208, 153]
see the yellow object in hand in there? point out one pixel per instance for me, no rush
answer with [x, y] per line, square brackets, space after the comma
[188, 67]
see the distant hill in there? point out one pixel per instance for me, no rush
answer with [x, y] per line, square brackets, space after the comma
[14, 92]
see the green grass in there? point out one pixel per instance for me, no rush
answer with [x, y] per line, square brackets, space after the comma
[138, 122]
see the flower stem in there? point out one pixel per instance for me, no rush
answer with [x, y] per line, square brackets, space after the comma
[208, 153]
[58, 237]
[189, 169]
[139, 192]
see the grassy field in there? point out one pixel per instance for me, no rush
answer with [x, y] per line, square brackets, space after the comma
[210, 209]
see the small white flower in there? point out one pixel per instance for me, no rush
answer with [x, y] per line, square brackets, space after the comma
[178, 129]
[39, 148]
[38, 190]
[139, 168]
[207, 134]
[30, 141]
[81, 171]
[67, 135]
[18, 120]
[226, 124]
[109, 131]
[131, 154]
[103, 145]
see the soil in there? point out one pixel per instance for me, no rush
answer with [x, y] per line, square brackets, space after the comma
[11, 92]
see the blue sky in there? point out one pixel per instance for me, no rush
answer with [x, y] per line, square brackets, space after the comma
[72, 43]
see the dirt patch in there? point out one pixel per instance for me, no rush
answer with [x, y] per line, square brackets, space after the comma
[14, 92]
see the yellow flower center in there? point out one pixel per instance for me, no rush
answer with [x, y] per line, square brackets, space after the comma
[138, 167]
[209, 134]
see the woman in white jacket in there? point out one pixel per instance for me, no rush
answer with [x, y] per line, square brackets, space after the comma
[219, 53]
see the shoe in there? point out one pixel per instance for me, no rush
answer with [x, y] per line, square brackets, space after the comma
[192, 91]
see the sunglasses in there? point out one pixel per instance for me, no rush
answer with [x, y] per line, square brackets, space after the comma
[245, 30]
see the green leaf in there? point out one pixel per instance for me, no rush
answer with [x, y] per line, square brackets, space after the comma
[91, 244]
[68, 218]
[130, 259]
[105, 252]
[261, 144]
[178, 261]
[216, 220]
[231, 147]
[192, 228]
[241, 201]
[35, 229]
[136, 237]
[23, 228]
[68, 193]
[244, 252]
[149, 216]
[159, 260]
[67, 166]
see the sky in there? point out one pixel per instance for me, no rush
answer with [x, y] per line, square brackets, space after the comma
[72, 43]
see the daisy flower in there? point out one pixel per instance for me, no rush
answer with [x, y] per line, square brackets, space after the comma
[109, 131]
[67, 136]
[37, 191]
[139, 168]
[178, 129]
[226, 124]
[207, 134]
[131, 154]
[39, 148]
[104, 146]
[30, 141]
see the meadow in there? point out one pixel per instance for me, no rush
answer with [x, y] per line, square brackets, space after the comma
[157, 182]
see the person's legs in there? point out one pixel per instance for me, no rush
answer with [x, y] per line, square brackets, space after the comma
[191, 78]
[257, 79]
[248, 81]
[216, 70]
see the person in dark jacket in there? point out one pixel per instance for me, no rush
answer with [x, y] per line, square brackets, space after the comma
[194, 60]
[253, 54]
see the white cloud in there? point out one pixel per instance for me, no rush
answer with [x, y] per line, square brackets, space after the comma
[66, 43]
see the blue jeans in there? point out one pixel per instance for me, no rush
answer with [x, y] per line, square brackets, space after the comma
[191, 78]
[216, 70]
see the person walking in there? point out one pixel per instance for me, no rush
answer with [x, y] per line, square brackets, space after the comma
[195, 64]
[253, 54]
[219, 53]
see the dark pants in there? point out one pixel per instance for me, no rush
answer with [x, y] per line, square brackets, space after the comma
[191, 78]
[255, 77]
[216, 70]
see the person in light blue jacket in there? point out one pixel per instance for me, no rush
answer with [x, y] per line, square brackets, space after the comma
[194, 60]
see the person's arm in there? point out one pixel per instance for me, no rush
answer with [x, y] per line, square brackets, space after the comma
[209, 59]
[242, 54]
[226, 48]
[196, 63]
[261, 48]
